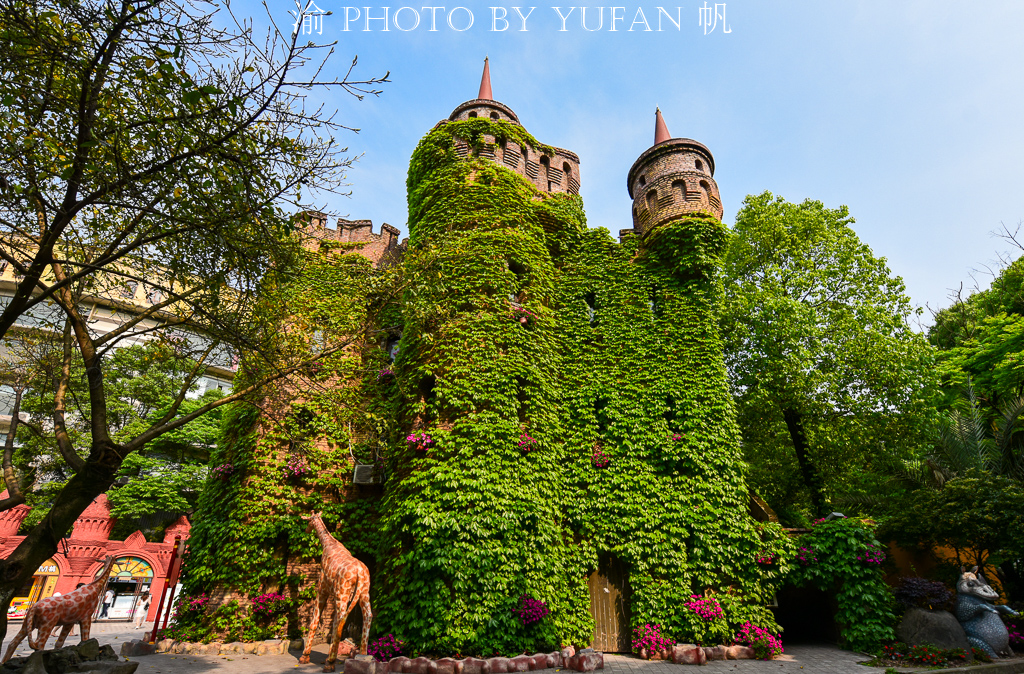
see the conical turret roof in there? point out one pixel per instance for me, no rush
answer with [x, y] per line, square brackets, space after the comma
[661, 133]
[485, 82]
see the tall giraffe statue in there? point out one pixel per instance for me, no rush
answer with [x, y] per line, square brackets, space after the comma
[344, 581]
[67, 610]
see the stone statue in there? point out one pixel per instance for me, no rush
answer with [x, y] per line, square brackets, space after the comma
[979, 616]
[66, 611]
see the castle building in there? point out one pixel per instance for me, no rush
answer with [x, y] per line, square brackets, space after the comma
[544, 410]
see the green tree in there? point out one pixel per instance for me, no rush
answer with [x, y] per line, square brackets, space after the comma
[151, 155]
[828, 374]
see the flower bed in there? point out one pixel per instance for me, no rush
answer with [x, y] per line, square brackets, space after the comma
[899, 654]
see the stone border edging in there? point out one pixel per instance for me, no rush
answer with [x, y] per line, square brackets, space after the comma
[587, 660]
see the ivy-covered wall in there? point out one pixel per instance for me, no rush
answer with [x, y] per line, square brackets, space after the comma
[577, 409]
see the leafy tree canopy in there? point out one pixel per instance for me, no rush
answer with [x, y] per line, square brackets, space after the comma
[828, 374]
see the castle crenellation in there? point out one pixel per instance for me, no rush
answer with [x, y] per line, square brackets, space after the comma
[372, 246]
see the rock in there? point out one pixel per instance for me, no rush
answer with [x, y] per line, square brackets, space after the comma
[233, 647]
[688, 654]
[585, 661]
[59, 660]
[498, 665]
[473, 666]
[720, 652]
[446, 666]
[520, 663]
[34, 664]
[363, 664]
[397, 665]
[568, 652]
[165, 645]
[212, 648]
[195, 648]
[89, 650]
[739, 653]
[262, 648]
[347, 648]
[422, 665]
[936, 628]
[276, 646]
[249, 648]
[296, 645]
[135, 648]
[107, 652]
[554, 659]
[538, 661]
[178, 647]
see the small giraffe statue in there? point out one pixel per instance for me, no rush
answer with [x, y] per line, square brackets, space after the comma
[344, 581]
[74, 607]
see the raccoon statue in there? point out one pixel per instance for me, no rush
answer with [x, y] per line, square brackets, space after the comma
[979, 616]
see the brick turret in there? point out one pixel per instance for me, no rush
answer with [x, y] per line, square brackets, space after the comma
[673, 177]
[549, 173]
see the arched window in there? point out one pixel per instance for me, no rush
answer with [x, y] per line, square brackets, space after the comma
[705, 188]
[652, 200]
[679, 187]
[472, 114]
[545, 161]
[494, 115]
[643, 181]
[699, 165]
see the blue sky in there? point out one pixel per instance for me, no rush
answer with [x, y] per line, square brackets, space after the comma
[910, 113]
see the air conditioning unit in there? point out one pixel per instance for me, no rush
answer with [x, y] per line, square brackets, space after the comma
[365, 473]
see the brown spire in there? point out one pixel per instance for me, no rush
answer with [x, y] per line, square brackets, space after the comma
[485, 83]
[661, 133]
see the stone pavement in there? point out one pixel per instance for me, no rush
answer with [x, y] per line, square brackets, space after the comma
[798, 659]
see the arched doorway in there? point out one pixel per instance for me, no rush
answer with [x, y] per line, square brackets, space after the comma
[129, 577]
[40, 586]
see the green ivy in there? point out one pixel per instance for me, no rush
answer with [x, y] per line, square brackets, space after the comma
[865, 612]
[528, 341]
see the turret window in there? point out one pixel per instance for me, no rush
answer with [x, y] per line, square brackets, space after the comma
[494, 115]
[679, 187]
[652, 200]
[705, 188]
[472, 115]
[643, 181]
[699, 165]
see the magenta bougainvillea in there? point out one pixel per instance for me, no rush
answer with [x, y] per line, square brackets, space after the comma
[419, 441]
[707, 608]
[600, 458]
[649, 638]
[531, 610]
[527, 442]
[765, 558]
[385, 648]
[296, 467]
[223, 471]
[765, 644]
[805, 556]
[872, 555]
[385, 374]
[523, 315]
[268, 603]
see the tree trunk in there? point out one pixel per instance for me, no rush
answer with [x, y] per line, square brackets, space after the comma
[812, 478]
[42, 541]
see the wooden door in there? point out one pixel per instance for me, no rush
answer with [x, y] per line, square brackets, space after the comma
[609, 606]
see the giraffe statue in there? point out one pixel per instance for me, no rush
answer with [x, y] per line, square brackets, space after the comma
[344, 581]
[74, 607]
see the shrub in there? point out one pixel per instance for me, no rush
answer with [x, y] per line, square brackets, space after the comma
[385, 648]
[649, 638]
[765, 644]
[914, 591]
[531, 610]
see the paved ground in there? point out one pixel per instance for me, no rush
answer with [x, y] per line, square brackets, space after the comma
[798, 659]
